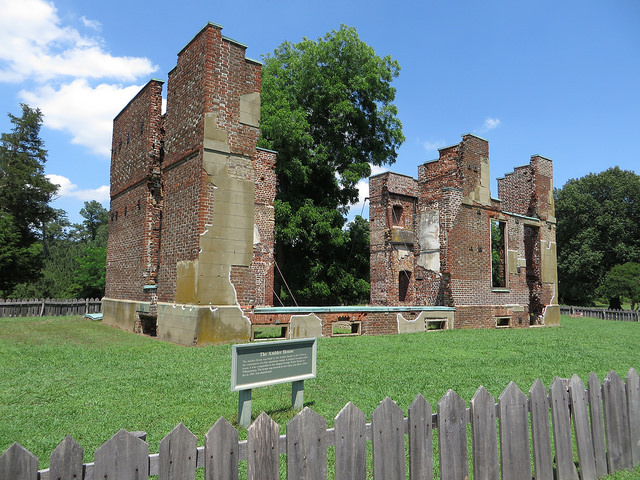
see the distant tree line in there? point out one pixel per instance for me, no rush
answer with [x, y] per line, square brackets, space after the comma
[43, 255]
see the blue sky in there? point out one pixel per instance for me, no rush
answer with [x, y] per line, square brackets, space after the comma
[555, 78]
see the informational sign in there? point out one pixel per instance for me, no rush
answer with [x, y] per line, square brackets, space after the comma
[256, 364]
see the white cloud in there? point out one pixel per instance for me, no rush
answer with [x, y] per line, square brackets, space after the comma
[37, 47]
[70, 190]
[79, 86]
[94, 24]
[490, 124]
[84, 111]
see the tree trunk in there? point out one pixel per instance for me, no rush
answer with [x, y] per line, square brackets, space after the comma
[614, 303]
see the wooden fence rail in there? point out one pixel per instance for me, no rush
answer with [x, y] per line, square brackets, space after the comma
[50, 308]
[605, 420]
[603, 313]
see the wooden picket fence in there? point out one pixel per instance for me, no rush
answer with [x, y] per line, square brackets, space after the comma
[610, 412]
[50, 308]
[603, 313]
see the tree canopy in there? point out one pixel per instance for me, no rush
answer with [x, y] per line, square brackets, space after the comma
[598, 228]
[327, 109]
[25, 194]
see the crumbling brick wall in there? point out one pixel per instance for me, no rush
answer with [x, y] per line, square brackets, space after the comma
[446, 250]
[163, 178]
[132, 254]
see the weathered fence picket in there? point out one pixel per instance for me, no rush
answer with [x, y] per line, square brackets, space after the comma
[177, 454]
[420, 425]
[221, 452]
[561, 423]
[614, 405]
[484, 437]
[594, 393]
[66, 460]
[263, 438]
[584, 440]
[540, 431]
[49, 308]
[633, 401]
[17, 463]
[514, 433]
[307, 446]
[616, 423]
[387, 441]
[350, 439]
[452, 436]
[124, 456]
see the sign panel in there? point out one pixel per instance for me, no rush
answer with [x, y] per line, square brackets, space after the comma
[268, 363]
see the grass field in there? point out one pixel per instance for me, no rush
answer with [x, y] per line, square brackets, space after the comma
[69, 375]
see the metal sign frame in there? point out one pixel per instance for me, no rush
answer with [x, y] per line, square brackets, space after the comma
[258, 357]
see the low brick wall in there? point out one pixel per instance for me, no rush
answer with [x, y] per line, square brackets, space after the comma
[373, 320]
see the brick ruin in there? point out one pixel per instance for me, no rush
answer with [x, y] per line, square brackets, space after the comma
[191, 216]
[441, 239]
[190, 249]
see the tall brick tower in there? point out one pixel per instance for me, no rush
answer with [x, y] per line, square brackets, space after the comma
[191, 221]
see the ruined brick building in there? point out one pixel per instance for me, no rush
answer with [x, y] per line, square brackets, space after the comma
[441, 239]
[191, 216]
[190, 249]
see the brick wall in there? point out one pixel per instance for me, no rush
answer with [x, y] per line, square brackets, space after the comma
[162, 198]
[372, 323]
[136, 155]
[452, 218]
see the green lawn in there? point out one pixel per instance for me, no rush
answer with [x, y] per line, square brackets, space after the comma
[69, 375]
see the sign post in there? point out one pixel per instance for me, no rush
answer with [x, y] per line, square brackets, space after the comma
[256, 365]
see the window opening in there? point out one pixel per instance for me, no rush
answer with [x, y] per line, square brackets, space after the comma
[498, 257]
[396, 211]
[436, 325]
[503, 322]
[345, 327]
[533, 274]
[404, 277]
[149, 324]
[269, 332]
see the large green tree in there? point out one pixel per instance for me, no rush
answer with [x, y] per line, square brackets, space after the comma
[327, 109]
[598, 228]
[25, 194]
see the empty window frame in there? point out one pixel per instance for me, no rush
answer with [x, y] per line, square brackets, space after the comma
[503, 322]
[269, 332]
[396, 215]
[345, 328]
[437, 324]
[404, 278]
[498, 255]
